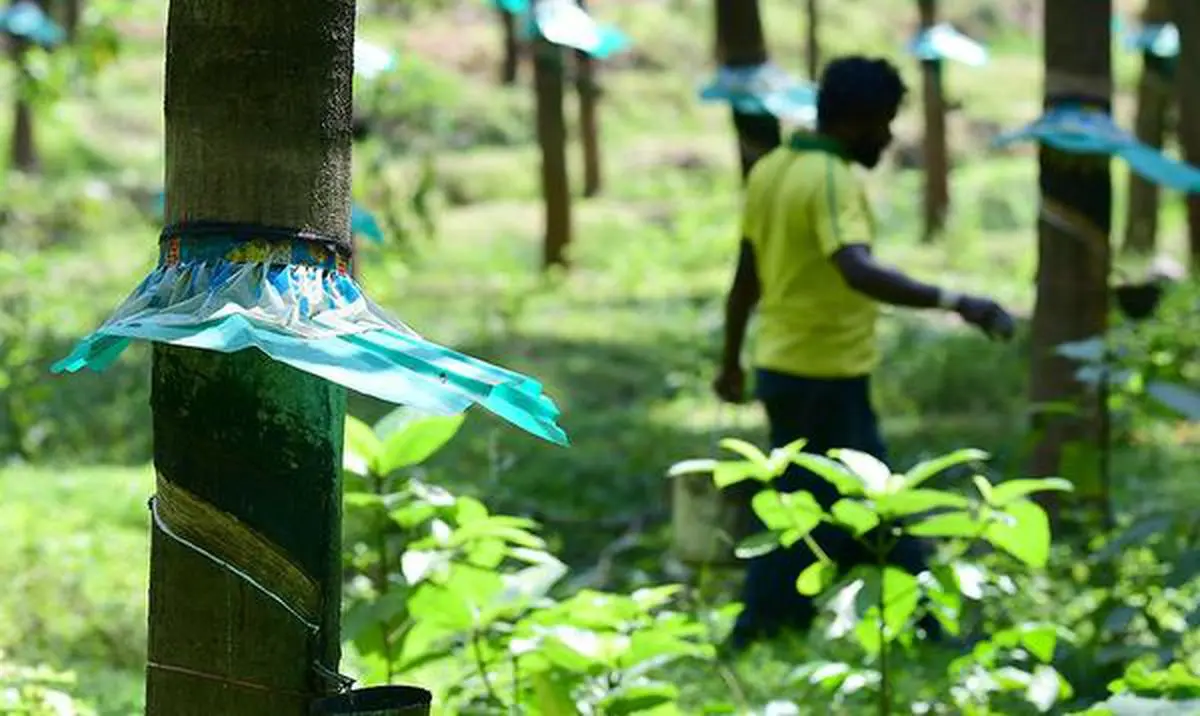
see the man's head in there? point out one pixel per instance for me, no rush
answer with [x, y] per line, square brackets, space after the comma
[856, 103]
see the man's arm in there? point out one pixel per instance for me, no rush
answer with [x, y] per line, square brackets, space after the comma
[739, 304]
[885, 284]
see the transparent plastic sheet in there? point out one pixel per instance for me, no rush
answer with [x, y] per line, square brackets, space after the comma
[763, 89]
[943, 42]
[1086, 131]
[564, 23]
[313, 316]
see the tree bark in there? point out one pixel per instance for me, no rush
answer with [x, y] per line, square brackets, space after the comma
[512, 48]
[23, 154]
[1154, 96]
[740, 43]
[1187, 18]
[552, 136]
[588, 90]
[1073, 258]
[258, 122]
[937, 164]
[812, 46]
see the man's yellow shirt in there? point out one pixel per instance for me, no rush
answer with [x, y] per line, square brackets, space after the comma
[803, 203]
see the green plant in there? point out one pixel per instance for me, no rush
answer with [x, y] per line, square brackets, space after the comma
[37, 691]
[878, 606]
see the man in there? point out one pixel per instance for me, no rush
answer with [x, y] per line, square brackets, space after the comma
[806, 264]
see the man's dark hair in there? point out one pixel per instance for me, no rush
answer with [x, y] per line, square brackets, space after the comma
[853, 87]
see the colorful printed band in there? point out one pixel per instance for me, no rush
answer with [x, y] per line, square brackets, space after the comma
[175, 250]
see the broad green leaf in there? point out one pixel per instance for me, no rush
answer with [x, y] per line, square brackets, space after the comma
[468, 510]
[816, 578]
[871, 471]
[361, 448]
[1012, 490]
[1040, 640]
[1025, 535]
[746, 450]
[935, 466]
[757, 545]
[856, 516]
[947, 524]
[417, 441]
[417, 564]
[364, 500]
[729, 472]
[1045, 687]
[901, 594]
[692, 467]
[984, 487]
[552, 693]
[911, 502]
[828, 674]
[638, 698]
[832, 471]
[802, 513]
[769, 507]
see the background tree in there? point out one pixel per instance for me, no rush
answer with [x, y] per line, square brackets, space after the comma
[1073, 253]
[936, 154]
[589, 130]
[1154, 99]
[1187, 18]
[812, 45]
[512, 46]
[740, 43]
[552, 138]
[258, 115]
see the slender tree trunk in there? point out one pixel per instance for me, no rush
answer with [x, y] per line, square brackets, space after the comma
[1073, 256]
[1187, 17]
[589, 98]
[23, 155]
[937, 163]
[812, 46]
[251, 440]
[1154, 95]
[512, 48]
[552, 136]
[740, 43]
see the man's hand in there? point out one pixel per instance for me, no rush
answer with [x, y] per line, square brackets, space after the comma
[987, 315]
[730, 384]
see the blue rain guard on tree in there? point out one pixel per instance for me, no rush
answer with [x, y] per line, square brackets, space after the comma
[371, 60]
[943, 42]
[298, 303]
[362, 222]
[512, 7]
[763, 89]
[1159, 40]
[1079, 130]
[28, 21]
[564, 23]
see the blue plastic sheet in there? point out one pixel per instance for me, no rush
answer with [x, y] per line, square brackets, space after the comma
[512, 7]
[1086, 131]
[298, 304]
[564, 23]
[371, 61]
[763, 89]
[27, 20]
[943, 42]
[362, 222]
[1159, 40]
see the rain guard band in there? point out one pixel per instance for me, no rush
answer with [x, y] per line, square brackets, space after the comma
[227, 287]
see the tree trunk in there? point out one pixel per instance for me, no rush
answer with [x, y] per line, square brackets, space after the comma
[589, 96]
[1154, 96]
[512, 48]
[937, 164]
[812, 47]
[552, 136]
[740, 43]
[23, 155]
[1187, 17]
[1073, 257]
[252, 440]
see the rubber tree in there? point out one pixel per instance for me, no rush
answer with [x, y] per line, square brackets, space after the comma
[548, 82]
[936, 154]
[1187, 18]
[740, 43]
[1073, 258]
[588, 90]
[812, 45]
[258, 123]
[1154, 99]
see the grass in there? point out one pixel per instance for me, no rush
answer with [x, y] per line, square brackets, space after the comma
[626, 343]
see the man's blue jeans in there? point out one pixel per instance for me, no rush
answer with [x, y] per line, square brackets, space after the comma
[829, 413]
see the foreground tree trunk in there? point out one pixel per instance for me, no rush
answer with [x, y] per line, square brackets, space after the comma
[1187, 17]
[253, 443]
[512, 48]
[937, 163]
[1154, 95]
[812, 46]
[552, 137]
[589, 97]
[740, 43]
[1073, 257]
